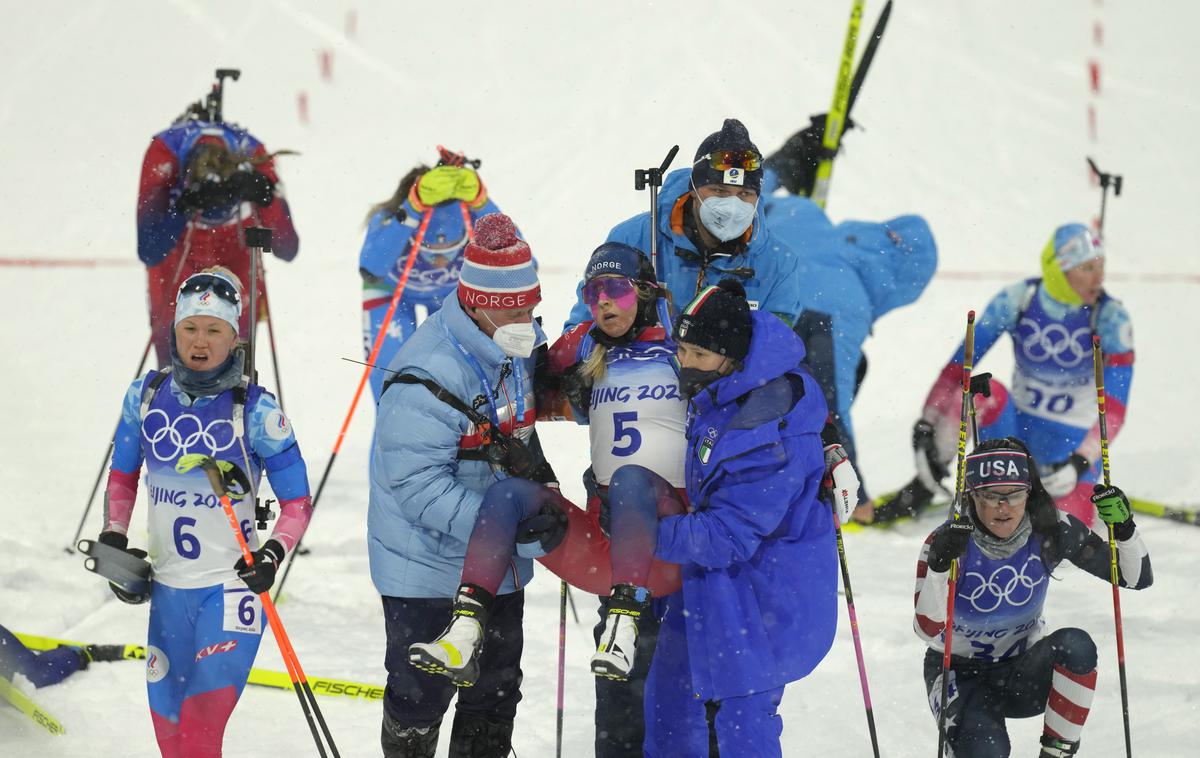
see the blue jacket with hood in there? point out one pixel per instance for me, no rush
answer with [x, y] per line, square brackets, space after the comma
[852, 273]
[424, 500]
[757, 551]
[774, 285]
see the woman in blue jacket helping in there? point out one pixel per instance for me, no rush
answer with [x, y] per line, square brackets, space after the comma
[758, 608]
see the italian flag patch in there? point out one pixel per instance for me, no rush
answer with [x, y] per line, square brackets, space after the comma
[705, 450]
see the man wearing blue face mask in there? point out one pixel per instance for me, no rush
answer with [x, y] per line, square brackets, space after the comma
[455, 416]
[710, 227]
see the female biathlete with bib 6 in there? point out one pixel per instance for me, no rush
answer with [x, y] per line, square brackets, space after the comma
[205, 617]
[1008, 543]
[619, 374]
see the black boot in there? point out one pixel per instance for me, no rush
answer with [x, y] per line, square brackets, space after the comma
[473, 736]
[399, 741]
[909, 501]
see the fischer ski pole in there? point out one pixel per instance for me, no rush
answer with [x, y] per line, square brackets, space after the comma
[956, 511]
[1098, 367]
[853, 615]
[1106, 180]
[652, 177]
[416, 240]
[308, 701]
[258, 239]
[836, 119]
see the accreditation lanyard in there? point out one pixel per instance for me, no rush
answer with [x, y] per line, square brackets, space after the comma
[518, 379]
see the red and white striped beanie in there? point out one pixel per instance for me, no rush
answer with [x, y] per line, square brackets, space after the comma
[498, 272]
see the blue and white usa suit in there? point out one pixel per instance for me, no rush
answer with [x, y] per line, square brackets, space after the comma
[758, 608]
[773, 286]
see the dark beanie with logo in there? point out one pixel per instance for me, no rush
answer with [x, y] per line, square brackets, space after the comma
[733, 136]
[718, 320]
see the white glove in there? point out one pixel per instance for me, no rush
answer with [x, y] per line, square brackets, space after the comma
[1060, 478]
[844, 492]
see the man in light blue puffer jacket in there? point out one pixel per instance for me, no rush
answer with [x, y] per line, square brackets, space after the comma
[429, 470]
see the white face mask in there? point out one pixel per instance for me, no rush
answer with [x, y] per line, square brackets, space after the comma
[726, 217]
[515, 340]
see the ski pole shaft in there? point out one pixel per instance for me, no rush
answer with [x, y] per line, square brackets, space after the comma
[290, 659]
[1114, 574]
[87, 509]
[864, 65]
[836, 118]
[652, 177]
[271, 340]
[417, 238]
[562, 665]
[858, 653]
[956, 510]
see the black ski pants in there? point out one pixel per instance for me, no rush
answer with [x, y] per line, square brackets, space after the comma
[983, 694]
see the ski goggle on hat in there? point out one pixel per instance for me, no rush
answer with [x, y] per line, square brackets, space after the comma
[621, 290]
[723, 160]
[209, 294]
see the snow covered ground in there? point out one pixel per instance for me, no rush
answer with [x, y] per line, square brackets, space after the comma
[974, 116]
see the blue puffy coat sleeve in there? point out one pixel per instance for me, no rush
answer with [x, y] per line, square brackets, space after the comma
[761, 480]
[417, 443]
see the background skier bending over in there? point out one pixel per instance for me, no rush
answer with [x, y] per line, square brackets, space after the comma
[1052, 402]
[202, 184]
[1008, 542]
[205, 616]
[851, 273]
[454, 197]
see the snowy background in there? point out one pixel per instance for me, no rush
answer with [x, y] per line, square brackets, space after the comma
[975, 116]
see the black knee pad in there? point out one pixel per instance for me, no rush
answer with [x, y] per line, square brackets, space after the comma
[474, 736]
[1074, 650]
[401, 741]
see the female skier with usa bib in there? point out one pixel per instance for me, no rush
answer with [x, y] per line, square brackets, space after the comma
[1008, 543]
[205, 616]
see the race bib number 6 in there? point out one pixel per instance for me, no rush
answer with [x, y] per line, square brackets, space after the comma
[243, 610]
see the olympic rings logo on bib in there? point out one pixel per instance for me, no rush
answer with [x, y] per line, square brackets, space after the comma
[170, 438]
[1005, 585]
[1067, 349]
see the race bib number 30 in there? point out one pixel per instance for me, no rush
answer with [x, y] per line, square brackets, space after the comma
[243, 610]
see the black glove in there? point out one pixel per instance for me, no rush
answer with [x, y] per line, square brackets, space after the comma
[548, 527]
[205, 195]
[931, 469]
[254, 186]
[578, 390]
[949, 542]
[121, 542]
[261, 575]
[796, 162]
